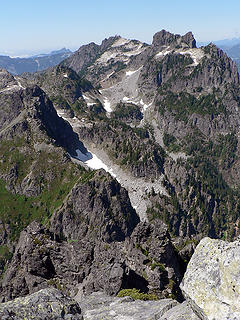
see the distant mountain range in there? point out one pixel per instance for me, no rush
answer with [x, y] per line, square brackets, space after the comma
[40, 62]
[35, 63]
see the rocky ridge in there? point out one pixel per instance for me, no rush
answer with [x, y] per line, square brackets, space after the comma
[177, 123]
[209, 285]
[188, 98]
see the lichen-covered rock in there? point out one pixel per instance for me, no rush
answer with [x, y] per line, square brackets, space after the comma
[211, 282]
[45, 304]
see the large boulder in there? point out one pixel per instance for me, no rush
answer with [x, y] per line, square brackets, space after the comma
[211, 283]
[45, 304]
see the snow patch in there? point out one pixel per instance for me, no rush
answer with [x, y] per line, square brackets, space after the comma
[107, 105]
[85, 97]
[108, 76]
[196, 54]
[145, 106]
[164, 52]
[19, 84]
[65, 75]
[137, 51]
[93, 162]
[106, 56]
[120, 42]
[129, 73]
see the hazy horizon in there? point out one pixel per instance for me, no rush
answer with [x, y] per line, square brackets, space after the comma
[32, 28]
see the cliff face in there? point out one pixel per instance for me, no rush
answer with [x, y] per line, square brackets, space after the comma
[85, 211]
[166, 115]
[91, 264]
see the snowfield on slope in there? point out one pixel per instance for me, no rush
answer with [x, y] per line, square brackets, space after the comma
[137, 188]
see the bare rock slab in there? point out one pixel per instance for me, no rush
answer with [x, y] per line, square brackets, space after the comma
[98, 306]
[212, 280]
[180, 312]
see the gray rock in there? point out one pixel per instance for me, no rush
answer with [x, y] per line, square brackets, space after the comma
[180, 312]
[99, 306]
[45, 304]
[211, 282]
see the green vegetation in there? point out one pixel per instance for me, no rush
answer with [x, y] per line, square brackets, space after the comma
[183, 104]
[50, 181]
[135, 294]
[5, 255]
[93, 112]
[159, 265]
[171, 142]
[127, 111]
[210, 205]
[132, 148]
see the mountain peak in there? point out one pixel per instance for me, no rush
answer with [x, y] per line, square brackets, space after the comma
[165, 38]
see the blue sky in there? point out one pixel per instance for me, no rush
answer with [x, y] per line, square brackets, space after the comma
[40, 26]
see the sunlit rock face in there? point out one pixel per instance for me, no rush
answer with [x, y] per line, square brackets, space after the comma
[211, 282]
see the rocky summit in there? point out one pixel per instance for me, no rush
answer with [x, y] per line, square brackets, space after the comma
[114, 165]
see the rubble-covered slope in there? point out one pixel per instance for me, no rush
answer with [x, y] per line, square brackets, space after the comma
[171, 114]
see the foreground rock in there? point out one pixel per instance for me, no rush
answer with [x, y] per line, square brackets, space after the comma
[99, 306]
[146, 260]
[44, 304]
[211, 282]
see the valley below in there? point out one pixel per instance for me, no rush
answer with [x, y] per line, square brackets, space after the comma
[119, 184]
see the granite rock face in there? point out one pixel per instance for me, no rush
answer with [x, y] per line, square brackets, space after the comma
[100, 306]
[45, 304]
[211, 282]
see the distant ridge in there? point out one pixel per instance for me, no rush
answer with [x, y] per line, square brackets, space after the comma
[35, 63]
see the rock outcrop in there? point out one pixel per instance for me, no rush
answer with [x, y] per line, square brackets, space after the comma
[90, 264]
[99, 306]
[211, 282]
[165, 38]
[45, 304]
[99, 209]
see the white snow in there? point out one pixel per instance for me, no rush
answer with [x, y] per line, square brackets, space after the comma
[164, 52]
[93, 162]
[19, 83]
[60, 113]
[107, 105]
[65, 75]
[120, 42]
[12, 87]
[125, 99]
[85, 97]
[129, 73]
[196, 54]
[108, 76]
[106, 56]
[145, 106]
[136, 51]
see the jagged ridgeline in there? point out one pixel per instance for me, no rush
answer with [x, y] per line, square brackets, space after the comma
[167, 111]
[164, 118]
